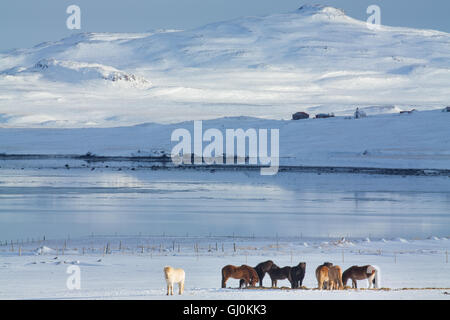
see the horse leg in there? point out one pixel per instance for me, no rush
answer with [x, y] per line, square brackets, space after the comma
[354, 284]
[294, 283]
[371, 280]
[247, 280]
[242, 283]
[168, 288]
[341, 285]
[224, 281]
[181, 287]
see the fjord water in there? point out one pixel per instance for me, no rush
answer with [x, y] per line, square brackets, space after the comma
[79, 202]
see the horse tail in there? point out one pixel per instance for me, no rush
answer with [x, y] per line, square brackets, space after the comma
[377, 278]
[340, 281]
[345, 277]
[254, 276]
[224, 276]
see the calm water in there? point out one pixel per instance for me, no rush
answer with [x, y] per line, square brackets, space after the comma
[57, 203]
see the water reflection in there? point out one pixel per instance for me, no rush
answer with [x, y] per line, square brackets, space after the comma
[56, 203]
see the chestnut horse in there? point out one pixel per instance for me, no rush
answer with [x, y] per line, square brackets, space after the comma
[261, 269]
[371, 273]
[322, 275]
[244, 272]
[335, 278]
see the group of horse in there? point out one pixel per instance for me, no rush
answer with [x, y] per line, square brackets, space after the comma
[249, 276]
[328, 276]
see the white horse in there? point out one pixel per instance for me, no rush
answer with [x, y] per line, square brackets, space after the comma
[172, 276]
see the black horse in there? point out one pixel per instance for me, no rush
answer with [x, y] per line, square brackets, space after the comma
[261, 270]
[277, 273]
[297, 275]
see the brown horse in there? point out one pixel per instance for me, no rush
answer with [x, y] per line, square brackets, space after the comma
[244, 272]
[261, 269]
[335, 278]
[322, 275]
[360, 273]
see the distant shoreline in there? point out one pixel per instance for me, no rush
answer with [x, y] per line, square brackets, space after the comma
[74, 161]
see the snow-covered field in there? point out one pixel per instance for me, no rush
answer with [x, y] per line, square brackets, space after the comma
[313, 59]
[410, 269]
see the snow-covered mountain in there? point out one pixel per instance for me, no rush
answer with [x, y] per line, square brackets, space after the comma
[315, 59]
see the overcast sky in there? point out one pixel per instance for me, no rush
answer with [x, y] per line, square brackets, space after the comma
[25, 23]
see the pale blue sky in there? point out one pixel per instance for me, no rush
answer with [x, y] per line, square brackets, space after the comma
[24, 23]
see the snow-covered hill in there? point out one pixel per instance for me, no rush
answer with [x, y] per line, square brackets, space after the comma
[313, 59]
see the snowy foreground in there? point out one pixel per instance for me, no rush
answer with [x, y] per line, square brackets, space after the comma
[133, 268]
